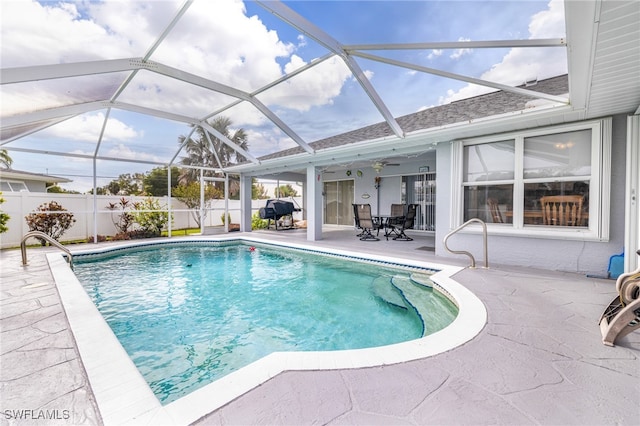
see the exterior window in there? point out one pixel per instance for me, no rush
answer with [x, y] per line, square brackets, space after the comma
[557, 165]
[13, 186]
[488, 174]
[550, 181]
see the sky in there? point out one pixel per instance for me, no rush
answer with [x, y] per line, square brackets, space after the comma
[242, 45]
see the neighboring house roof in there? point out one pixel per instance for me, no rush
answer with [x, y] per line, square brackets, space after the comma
[11, 174]
[482, 106]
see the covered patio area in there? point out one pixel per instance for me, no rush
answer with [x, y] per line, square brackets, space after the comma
[538, 360]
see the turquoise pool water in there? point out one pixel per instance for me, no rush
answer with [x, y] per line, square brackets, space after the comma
[188, 315]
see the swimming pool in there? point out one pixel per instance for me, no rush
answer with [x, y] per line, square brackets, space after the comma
[123, 396]
[188, 314]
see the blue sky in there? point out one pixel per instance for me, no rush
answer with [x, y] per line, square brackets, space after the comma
[242, 45]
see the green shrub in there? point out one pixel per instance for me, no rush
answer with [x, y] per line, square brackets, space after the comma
[150, 217]
[257, 222]
[4, 218]
[52, 224]
[124, 220]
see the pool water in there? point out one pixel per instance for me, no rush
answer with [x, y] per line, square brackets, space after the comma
[188, 315]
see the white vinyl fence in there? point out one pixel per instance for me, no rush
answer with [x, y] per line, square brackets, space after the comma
[19, 204]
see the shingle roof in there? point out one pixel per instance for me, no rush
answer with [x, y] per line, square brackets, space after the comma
[481, 106]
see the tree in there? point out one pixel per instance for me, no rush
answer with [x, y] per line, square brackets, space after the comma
[286, 191]
[202, 153]
[4, 218]
[5, 159]
[126, 184]
[155, 181]
[258, 191]
[46, 220]
[190, 195]
[57, 189]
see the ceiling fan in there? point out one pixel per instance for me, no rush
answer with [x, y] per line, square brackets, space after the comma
[379, 165]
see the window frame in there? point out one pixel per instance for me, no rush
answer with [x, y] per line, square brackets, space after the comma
[12, 183]
[599, 184]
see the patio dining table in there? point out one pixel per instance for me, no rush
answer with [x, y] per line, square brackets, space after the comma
[386, 221]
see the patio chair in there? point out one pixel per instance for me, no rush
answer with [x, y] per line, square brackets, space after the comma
[562, 210]
[496, 216]
[404, 224]
[364, 222]
[622, 316]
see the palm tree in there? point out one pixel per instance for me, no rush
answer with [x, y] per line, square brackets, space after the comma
[201, 153]
[5, 159]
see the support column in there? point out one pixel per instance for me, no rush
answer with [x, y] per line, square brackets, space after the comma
[632, 210]
[245, 203]
[314, 204]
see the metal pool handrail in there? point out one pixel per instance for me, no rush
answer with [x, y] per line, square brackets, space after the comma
[39, 234]
[484, 237]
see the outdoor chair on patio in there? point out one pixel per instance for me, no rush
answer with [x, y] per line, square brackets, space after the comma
[562, 210]
[364, 222]
[404, 224]
[622, 316]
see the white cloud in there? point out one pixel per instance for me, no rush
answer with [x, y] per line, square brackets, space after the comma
[522, 63]
[435, 53]
[87, 128]
[123, 151]
[459, 53]
[314, 87]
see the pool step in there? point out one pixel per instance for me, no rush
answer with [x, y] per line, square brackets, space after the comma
[422, 279]
[383, 288]
[420, 298]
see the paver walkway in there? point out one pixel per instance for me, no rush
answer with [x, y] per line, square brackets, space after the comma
[42, 380]
[539, 360]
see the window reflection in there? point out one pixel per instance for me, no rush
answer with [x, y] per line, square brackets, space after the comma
[490, 203]
[558, 155]
[489, 162]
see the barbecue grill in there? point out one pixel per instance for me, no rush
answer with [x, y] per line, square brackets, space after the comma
[276, 209]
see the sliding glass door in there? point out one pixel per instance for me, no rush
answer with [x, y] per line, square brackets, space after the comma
[421, 190]
[338, 200]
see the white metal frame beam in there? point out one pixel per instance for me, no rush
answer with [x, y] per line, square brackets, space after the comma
[477, 44]
[472, 80]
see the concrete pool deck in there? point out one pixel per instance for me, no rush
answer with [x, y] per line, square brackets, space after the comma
[538, 360]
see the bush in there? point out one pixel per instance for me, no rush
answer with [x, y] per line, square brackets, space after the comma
[124, 220]
[257, 222]
[148, 216]
[52, 224]
[4, 218]
[228, 216]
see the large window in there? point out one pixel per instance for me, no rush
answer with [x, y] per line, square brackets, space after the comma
[549, 182]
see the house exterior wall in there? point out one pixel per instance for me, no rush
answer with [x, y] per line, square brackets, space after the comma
[35, 186]
[588, 257]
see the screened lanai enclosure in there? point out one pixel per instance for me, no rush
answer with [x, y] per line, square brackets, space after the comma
[87, 86]
[349, 101]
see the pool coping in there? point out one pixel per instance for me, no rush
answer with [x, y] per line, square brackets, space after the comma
[123, 395]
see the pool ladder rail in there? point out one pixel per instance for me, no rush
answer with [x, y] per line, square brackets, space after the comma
[39, 234]
[484, 240]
